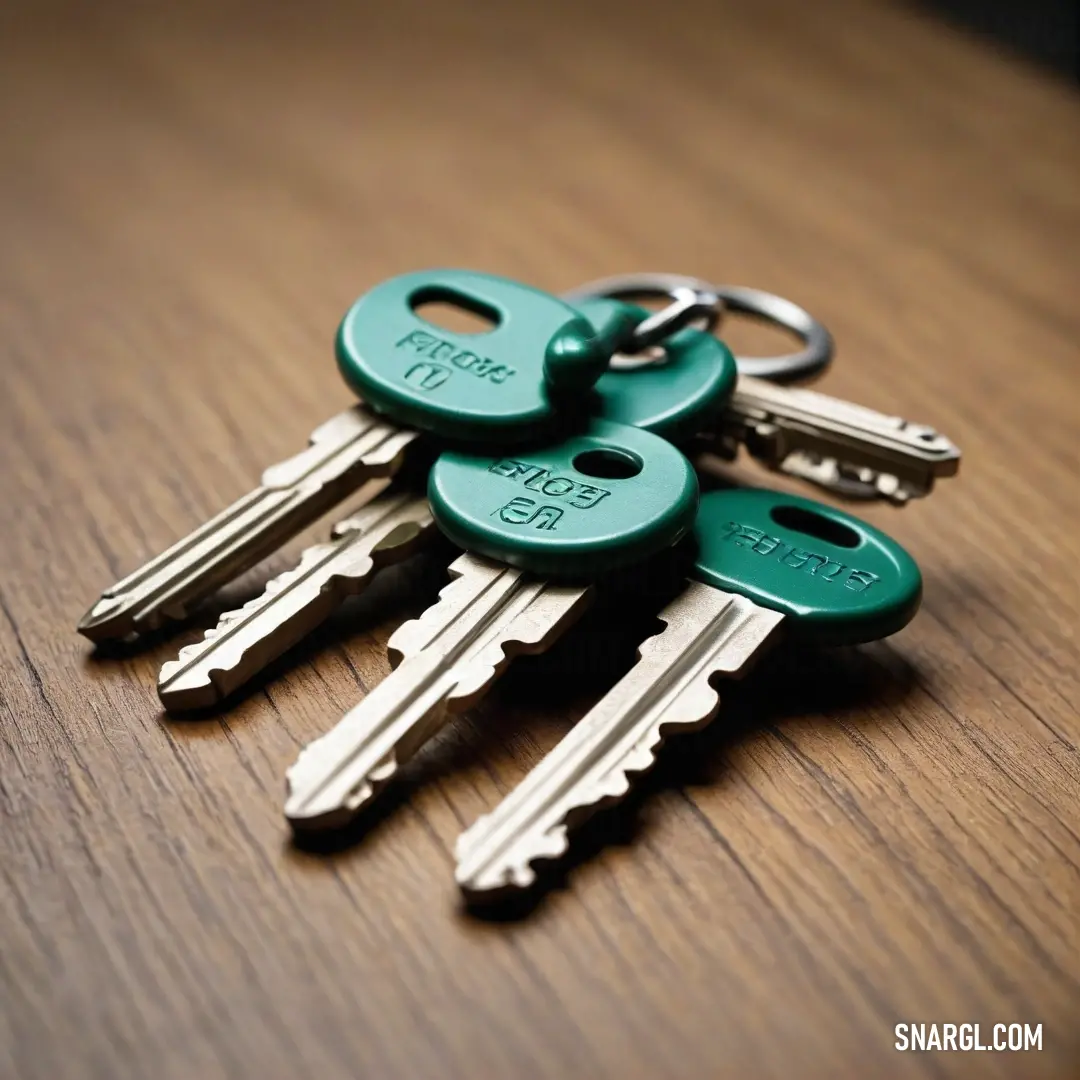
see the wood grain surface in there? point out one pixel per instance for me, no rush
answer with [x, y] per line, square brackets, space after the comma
[190, 197]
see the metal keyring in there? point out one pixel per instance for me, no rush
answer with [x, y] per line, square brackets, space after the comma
[805, 364]
[689, 305]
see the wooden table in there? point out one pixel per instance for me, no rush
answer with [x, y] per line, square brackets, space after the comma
[189, 200]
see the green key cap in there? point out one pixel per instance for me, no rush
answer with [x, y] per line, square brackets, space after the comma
[538, 526]
[506, 385]
[595, 501]
[767, 565]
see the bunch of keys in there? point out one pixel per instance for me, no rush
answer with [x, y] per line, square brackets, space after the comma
[586, 399]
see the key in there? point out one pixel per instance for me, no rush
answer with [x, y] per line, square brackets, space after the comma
[506, 386]
[388, 530]
[849, 450]
[536, 530]
[347, 450]
[676, 398]
[768, 566]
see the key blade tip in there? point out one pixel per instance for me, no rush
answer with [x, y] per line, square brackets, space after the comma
[489, 869]
[108, 619]
[326, 789]
[311, 805]
[306, 815]
[186, 691]
[491, 882]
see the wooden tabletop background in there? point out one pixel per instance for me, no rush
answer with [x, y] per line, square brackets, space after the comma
[190, 197]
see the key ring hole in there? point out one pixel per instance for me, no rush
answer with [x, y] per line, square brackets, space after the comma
[447, 309]
[608, 463]
[801, 520]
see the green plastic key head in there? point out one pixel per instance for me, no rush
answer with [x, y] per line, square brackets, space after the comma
[596, 501]
[839, 580]
[502, 385]
[679, 396]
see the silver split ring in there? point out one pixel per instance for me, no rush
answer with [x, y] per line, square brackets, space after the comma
[692, 301]
[807, 363]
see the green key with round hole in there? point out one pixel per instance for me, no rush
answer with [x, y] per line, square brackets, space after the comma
[505, 385]
[768, 565]
[533, 524]
[596, 500]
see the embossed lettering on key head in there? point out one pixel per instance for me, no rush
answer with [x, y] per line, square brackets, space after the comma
[501, 385]
[678, 396]
[839, 580]
[596, 501]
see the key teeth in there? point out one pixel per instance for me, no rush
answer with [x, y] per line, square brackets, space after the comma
[229, 619]
[411, 637]
[491, 883]
[670, 689]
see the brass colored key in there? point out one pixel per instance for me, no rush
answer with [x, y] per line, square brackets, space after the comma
[444, 662]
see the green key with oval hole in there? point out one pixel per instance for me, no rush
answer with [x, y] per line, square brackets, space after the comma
[767, 564]
[596, 500]
[505, 385]
[834, 579]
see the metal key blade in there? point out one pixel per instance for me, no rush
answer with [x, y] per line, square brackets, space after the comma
[708, 633]
[447, 659]
[389, 529]
[347, 450]
[845, 448]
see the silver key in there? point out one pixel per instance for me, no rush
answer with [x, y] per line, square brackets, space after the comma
[392, 527]
[353, 447]
[849, 450]
[708, 632]
[445, 661]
